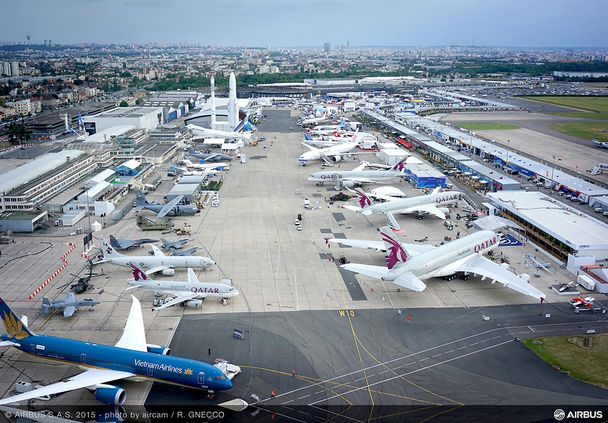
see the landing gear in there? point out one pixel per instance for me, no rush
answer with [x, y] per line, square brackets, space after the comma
[449, 277]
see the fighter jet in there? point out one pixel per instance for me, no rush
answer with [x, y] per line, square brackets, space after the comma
[409, 264]
[172, 208]
[69, 305]
[127, 244]
[174, 245]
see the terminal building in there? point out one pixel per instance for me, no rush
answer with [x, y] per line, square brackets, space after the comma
[137, 117]
[30, 185]
[552, 225]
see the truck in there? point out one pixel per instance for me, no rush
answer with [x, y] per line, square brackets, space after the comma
[147, 224]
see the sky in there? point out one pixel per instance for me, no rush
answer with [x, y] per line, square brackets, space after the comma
[297, 23]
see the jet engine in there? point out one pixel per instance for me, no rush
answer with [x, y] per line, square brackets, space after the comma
[194, 303]
[349, 184]
[444, 210]
[336, 159]
[110, 394]
[158, 349]
[168, 272]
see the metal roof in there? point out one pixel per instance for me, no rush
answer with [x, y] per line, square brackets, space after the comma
[570, 226]
[36, 168]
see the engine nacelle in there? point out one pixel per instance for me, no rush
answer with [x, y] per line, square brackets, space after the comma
[336, 159]
[444, 210]
[194, 303]
[348, 184]
[167, 272]
[158, 349]
[109, 394]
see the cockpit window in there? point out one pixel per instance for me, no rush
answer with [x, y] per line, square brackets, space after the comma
[220, 377]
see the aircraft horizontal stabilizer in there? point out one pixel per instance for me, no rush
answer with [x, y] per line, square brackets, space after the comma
[353, 208]
[410, 281]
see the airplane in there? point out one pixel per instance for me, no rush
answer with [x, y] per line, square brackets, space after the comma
[127, 244]
[159, 262]
[600, 144]
[359, 176]
[174, 245]
[206, 166]
[582, 304]
[208, 157]
[409, 264]
[329, 155]
[313, 120]
[69, 305]
[422, 204]
[216, 133]
[130, 358]
[190, 294]
[187, 252]
[172, 208]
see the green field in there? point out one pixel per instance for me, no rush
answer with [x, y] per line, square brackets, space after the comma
[587, 365]
[588, 107]
[583, 130]
[486, 126]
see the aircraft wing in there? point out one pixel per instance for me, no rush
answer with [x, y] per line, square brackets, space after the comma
[310, 147]
[69, 311]
[375, 272]
[157, 252]
[169, 206]
[360, 180]
[178, 300]
[359, 243]
[134, 335]
[83, 380]
[362, 166]
[425, 208]
[156, 269]
[486, 268]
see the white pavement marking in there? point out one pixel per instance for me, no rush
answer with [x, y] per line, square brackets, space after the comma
[449, 351]
[287, 402]
[414, 371]
[531, 330]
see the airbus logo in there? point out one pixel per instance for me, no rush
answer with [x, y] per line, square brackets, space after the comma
[560, 414]
[485, 244]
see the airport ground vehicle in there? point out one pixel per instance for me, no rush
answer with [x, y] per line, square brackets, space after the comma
[184, 230]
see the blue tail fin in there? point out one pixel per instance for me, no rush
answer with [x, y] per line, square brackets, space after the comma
[13, 325]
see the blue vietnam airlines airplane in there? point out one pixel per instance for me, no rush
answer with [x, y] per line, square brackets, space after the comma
[131, 358]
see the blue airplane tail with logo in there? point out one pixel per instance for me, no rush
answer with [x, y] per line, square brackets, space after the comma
[14, 326]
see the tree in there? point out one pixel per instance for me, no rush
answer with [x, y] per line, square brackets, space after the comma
[18, 132]
[123, 104]
[139, 101]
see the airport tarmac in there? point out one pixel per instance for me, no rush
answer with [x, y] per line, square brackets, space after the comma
[277, 269]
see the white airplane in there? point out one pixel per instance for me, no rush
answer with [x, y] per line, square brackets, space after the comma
[205, 166]
[329, 155]
[191, 293]
[359, 176]
[409, 264]
[422, 204]
[216, 133]
[600, 144]
[313, 120]
[159, 262]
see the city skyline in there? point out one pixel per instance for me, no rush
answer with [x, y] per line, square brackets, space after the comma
[272, 23]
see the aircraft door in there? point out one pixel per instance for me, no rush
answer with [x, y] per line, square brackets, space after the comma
[201, 378]
[83, 358]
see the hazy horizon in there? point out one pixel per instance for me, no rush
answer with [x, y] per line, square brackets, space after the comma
[285, 23]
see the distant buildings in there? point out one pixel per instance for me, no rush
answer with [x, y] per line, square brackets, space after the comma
[327, 47]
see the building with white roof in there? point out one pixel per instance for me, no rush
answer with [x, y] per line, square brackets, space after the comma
[137, 117]
[553, 225]
[33, 183]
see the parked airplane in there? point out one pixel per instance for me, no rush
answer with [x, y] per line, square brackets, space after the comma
[69, 305]
[409, 264]
[359, 176]
[131, 358]
[172, 208]
[309, 121]
[216, 133]
[159, 262]
[329, 155]
[174, 245]
[127, 244]
[191, 293]
[206, 166]
[208, 157]
[422, 204]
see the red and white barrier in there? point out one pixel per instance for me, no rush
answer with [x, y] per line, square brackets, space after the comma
[64, 265]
